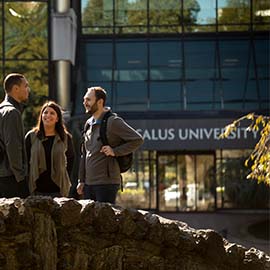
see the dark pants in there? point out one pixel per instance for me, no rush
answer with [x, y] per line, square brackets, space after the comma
[101, 193]
[10, 188]
[48, 194]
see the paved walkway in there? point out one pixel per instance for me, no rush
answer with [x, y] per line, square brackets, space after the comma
[232, 225]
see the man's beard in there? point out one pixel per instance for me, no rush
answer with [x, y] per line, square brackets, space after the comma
[93, 109]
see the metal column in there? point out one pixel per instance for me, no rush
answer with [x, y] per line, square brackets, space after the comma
[63, 67]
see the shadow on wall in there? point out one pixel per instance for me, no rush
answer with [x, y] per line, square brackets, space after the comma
[42, 233]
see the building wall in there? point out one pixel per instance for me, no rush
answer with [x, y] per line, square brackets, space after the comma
[179, 71]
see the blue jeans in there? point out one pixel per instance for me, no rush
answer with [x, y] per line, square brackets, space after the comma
[101, 193]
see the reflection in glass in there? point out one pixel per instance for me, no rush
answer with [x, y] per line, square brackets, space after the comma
[98, 61]
[169, 16]
[130, 13]
[24, 49]
[97, 16]
[261, 14]
[190, 13]
[139, 183]
[234, 62]
[205, 182]
[233, 12]
[37, 75]
[205, 20]
[234, 190]
[166, 13]
[186, 182]
[131, 62]
[26, 30]
[207, 12]
[167, 183]
[166, 60]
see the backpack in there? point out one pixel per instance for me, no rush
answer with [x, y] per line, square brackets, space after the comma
[125, 162]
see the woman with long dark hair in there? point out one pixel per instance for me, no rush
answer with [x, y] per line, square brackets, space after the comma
[50, 153]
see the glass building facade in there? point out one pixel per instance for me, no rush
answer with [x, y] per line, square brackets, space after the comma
[179, 71]
[24, 39]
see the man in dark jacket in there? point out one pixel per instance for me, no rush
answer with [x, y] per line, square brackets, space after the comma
[13, 162]
[99, 173]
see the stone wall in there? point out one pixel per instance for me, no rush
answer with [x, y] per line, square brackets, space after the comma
[41, 233]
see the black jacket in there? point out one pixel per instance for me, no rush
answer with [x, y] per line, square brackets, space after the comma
[14, 160]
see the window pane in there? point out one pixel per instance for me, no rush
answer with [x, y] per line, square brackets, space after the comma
[37, 74]
[165, 96]
[190, 10]
[26, 34]
[207, 12]
[97, 16]
[205, 183]
[131, 13]
[166, 60]
[234, 57]
[201, 95]
[168, 187]
[131, 62]
[235, 190]
[263, 67]
[131, 96]
[204, 17]
[232, 15]
[261, 14]
[165, 13]
[98, 61]
[200, 75]
[200, 59]
[251, 99]
[139, 183]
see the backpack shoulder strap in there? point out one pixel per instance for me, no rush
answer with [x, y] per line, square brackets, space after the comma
[103, 128]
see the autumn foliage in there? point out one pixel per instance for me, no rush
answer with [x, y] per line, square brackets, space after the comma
[259, 159]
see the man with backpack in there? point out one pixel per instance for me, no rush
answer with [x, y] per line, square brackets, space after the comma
[99, 172]
[13, 162]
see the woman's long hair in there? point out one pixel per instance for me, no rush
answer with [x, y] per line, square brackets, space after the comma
[60, 127]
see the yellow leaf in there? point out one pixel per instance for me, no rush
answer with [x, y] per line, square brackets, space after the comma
[250, 116]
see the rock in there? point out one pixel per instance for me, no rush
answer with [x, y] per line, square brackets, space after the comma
[40, 233]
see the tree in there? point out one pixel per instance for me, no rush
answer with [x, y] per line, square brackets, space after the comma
[235, 12]
[131, 16]
[26, 50]
[259, 159]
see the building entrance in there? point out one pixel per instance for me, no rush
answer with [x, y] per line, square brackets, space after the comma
[186, 181]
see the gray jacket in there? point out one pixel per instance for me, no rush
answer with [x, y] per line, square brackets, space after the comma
[12, 140]
[95, 167]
